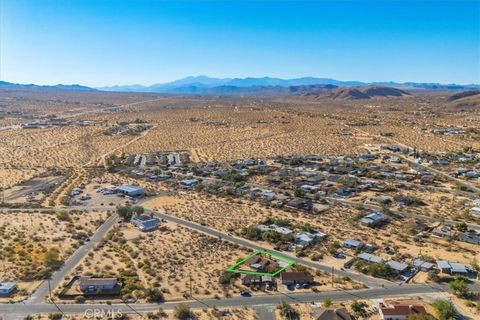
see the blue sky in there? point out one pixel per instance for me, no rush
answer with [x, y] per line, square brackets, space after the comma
[107, 42]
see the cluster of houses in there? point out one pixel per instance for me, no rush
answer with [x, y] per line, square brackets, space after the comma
[407, 270]
[127, 129]
[157, 159]
[468, 173]
[401, 268]
[290, 277]
[301, 239]
[451, 233]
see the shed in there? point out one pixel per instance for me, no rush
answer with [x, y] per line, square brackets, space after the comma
[7, 288]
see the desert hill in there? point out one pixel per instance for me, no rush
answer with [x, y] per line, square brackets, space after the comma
[346, 93]
[463, 94]
[466, 100]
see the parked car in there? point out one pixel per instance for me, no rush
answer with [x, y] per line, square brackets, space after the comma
[245, 294]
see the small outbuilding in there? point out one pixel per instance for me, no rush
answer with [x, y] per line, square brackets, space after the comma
[7, 288]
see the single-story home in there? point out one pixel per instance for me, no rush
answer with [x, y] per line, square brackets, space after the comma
[374, 219]
[189, 182]
[475, 211]
[252, 279]
[274, 227]
[353, 244]
[263, 264]
[469, 237]
[305, 239]
[90, 284]
[422, 265]
[365, 256]
[129, 190]
[7, 288]
[446, 231]
[145, 223]
[330, 314]
[397, 310]
[454, 267]
[398, 266]
[290, 277]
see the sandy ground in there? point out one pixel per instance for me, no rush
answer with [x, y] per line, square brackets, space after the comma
[26, 237]
[12, 176]
[182, 254]
[200, 314]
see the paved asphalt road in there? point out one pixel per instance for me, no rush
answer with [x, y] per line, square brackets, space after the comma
[18, 311]
[42, 291]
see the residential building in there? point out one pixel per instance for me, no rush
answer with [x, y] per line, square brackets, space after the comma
[330, 314]
[454, 268]
[274, 227]
[251, 279]
[131, 191]
[353, 244]
[422, 265]
[469, 237]
[397, 310]
[189, 182]
[305, 239]
[365, 256]
[145, 222]
[475, 211]
[446, 231]
[90, 284]
[398, 266]
[263, 264]
[293, 276]
[374, 219]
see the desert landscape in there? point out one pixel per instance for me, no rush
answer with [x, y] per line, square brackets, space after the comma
[232, 164]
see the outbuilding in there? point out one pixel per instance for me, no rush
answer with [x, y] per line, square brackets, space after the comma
[7, 288]
[130, 190]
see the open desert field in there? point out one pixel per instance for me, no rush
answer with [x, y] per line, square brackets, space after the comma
[34, 243]
[168, 258]
[10, 176]
[228, 133]
[243, 313]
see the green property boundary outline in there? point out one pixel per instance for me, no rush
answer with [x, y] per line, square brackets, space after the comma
[236, 267]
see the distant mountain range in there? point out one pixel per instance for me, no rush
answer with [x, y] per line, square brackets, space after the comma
[208, 85]
[76, 87]
[266, 86]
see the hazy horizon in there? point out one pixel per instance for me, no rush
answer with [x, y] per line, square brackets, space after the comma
[107, 43]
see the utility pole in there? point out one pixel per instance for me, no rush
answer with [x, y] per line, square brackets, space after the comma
[333, 270]
[49, 290]
[191, 291]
